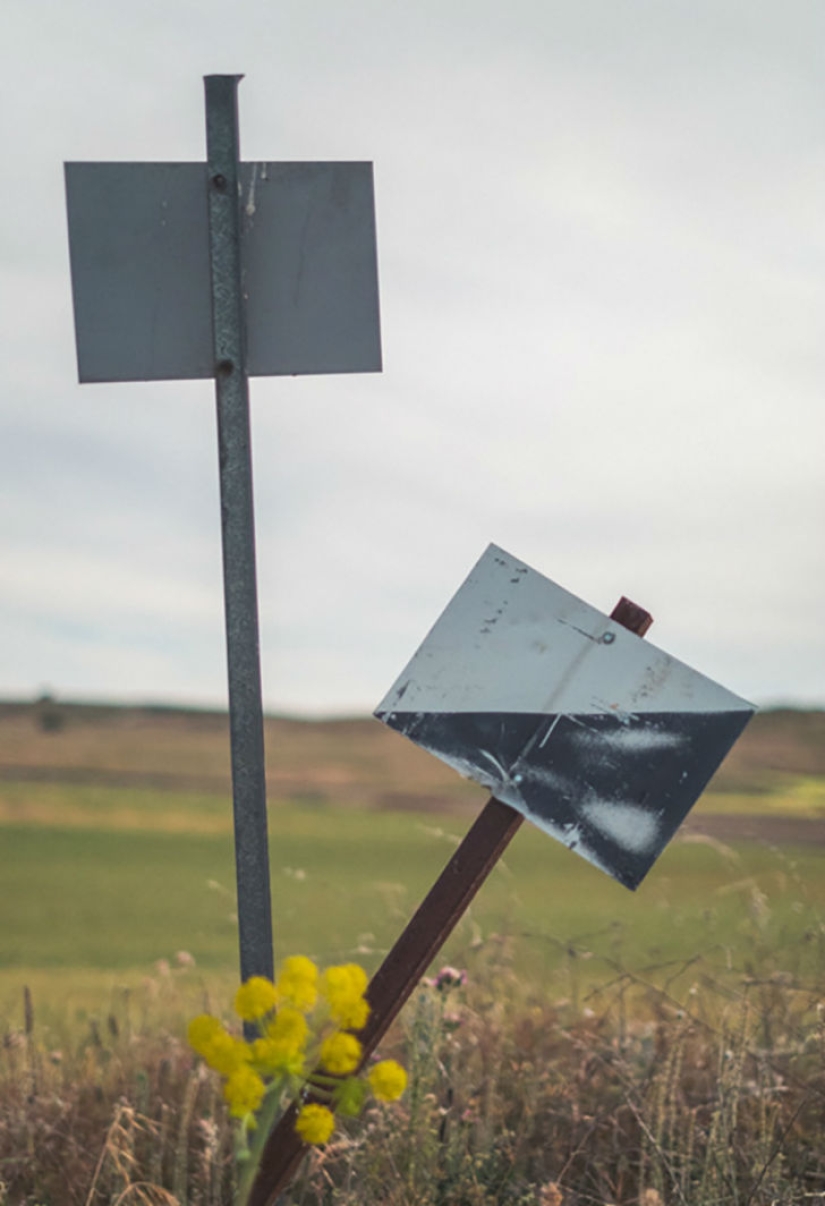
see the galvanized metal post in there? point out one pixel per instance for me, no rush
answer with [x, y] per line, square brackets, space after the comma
[238, 529]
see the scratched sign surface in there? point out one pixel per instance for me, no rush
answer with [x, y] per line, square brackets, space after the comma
[594, 734]
[139, 245]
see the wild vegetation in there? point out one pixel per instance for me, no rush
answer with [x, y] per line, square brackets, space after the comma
[608, 1048]
[701, 1091]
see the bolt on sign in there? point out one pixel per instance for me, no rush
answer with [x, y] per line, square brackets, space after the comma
[598, 737]
[224, 269]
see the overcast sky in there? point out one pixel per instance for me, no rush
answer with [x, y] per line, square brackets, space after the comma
[601, 246]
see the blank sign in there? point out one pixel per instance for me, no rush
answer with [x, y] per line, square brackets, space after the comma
[139, 245]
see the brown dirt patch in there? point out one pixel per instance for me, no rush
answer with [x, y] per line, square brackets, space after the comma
[773, 830]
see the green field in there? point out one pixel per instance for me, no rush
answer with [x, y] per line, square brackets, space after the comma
[607, 1041]
[85, 908]
[116, 853]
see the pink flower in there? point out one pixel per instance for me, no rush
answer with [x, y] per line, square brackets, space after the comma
[449, 977]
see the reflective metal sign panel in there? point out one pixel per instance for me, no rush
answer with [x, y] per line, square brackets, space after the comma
[139, 243]
[596, 735]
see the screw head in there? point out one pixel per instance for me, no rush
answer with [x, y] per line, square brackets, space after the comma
[608, 638]
[219, 181]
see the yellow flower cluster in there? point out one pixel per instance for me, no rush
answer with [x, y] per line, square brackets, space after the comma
[280, 1051]
[221, 1050]
[340, 1053]
[344, 989]
[289, 1045]
[244, 1088]
[255, 999]
[298, 982]
[388, 1080]
[315, 1123]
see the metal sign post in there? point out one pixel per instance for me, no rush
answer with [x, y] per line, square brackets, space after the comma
[246, 718]
[226, 269]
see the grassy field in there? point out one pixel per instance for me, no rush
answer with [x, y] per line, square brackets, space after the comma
[115, 845]
[610, 1045]
[118, 898]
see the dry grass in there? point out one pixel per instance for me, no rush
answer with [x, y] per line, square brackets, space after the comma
[635, 1100]
[625, 1095]
[119, 1119]
[341, 761]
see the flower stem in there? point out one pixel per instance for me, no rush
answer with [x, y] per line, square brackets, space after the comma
[265, 1122]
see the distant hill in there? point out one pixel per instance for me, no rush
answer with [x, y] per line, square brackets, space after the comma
[355, 761]
[777, 742]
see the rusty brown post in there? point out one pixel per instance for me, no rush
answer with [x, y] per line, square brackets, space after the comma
[425, 934]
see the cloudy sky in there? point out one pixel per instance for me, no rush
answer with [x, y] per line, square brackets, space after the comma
[601, 242]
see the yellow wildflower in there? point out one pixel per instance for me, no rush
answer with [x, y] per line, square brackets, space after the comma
[243, 1091]
[277, 1060]
[354, 1016]
[255, 999]
[201, 1031]
[388, 1080]
[315, 1123]
[272, 1058]
[344, 987]
[225, 1054]
[340, 1053]
[297, 982]
[289, 1028]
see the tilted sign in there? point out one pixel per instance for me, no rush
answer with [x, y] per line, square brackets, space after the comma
[139, 245]
[597, 736]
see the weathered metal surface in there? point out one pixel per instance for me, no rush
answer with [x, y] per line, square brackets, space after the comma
[139, 247]
[418, 945]
[599, 738]
[238, 531]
